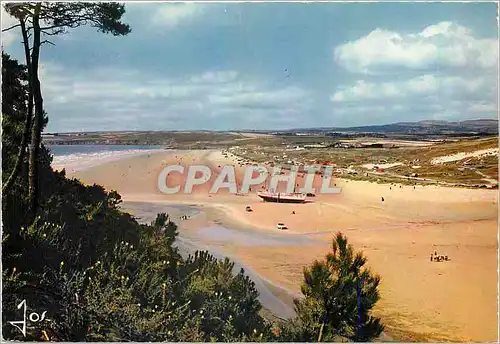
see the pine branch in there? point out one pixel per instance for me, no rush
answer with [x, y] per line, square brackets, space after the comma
[47, 41]
[10, 28]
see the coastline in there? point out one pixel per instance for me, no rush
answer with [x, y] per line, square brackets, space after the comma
[83, 161]
[397, 237]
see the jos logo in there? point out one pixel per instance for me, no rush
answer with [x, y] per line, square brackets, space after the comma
[33, 317]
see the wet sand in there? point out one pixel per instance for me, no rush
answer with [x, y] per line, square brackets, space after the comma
[420, 300]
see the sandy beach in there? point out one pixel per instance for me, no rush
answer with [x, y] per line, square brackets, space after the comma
[421, 300]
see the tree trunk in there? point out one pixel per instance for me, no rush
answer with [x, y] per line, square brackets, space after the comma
[320, 336]
[37, 124]
[29, 114]
[358, 320]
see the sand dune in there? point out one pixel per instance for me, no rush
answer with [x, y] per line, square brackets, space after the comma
[462, 155]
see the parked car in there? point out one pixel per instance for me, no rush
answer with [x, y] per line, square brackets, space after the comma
[281, 226]
[249, 209]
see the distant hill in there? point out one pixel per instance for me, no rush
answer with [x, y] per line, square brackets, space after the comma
[427, 127]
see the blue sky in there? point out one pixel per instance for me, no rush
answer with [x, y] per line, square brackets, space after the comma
[224, 66]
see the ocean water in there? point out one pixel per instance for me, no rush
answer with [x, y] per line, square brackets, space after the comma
[79, 157]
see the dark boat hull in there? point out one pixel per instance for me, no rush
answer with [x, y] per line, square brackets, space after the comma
[281, 200]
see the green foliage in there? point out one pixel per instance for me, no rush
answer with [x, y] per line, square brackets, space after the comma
[227, 304]
[60, 16]
[14, 98]
[339, 293]
[105, 16]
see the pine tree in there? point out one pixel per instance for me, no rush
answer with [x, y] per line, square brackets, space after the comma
[51, 18]
[339, 293]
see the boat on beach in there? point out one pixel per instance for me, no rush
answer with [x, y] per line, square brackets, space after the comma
[278, 197]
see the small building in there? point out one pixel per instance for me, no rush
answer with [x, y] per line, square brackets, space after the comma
[315, 146]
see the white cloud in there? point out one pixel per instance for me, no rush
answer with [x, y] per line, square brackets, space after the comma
[132, 99]
[450, 74]
[258, 99]
[398, 107]
[218, 76]
[173, 14]
[444, 44]
[425, 85]
[424, 97]
[483, 107]
[362, 109]
[381, 113]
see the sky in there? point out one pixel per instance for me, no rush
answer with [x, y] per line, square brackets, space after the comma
[236, 66]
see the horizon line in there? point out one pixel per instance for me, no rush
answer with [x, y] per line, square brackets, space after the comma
[263, 130]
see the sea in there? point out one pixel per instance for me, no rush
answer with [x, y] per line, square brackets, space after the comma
[80, 157]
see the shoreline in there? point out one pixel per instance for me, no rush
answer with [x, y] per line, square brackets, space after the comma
[396, 236]
[274, 298]
[103, 157]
